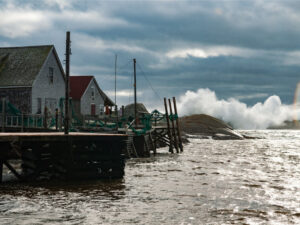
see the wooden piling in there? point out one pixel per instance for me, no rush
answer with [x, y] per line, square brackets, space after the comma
[56, 119]
[177, 126]
[173, 127]
[168, 127]
[45, 117]
[3, 114]
[1, 170]
[68, 52]
[60, 121]
[22, 122]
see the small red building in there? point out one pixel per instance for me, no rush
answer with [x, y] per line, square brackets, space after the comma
[87, 97]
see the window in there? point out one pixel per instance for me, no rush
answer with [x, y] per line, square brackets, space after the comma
[93, 93]
[51, 75]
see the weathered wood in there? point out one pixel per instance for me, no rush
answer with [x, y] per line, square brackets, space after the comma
[1, 170]
[173, 128]
[168, 126]
[12, 170]
[152, 143]
[22, 123]
[3, 114]
[56, 119]
[67, 94]
[177, 126]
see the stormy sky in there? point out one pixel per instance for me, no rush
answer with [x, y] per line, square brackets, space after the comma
[246, 50]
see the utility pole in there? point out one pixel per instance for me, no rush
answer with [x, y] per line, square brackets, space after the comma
[116, 57]
[116, 107]
[135, 107]
[68, 51]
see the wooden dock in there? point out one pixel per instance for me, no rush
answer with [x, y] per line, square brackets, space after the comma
[56, 155]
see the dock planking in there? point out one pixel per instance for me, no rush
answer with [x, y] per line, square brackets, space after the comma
[57, 155]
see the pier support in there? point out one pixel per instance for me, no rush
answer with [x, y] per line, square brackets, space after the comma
[173, 127]
[1, 170]
[12, 170]
[3, 114]
[168, 127]
[177, 126]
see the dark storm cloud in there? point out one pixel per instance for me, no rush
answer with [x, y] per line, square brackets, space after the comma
[243, 49]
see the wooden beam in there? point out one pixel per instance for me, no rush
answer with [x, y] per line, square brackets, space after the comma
[1, 170]
[177, 125]
[168, 125]
[13, 170]
[173, 127]
[3, 114]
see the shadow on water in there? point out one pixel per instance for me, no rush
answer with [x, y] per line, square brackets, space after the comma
[112, 188]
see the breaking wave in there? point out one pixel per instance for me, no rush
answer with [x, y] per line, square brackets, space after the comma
[259, 116]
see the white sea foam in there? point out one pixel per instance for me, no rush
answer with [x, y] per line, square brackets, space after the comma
[259, 116]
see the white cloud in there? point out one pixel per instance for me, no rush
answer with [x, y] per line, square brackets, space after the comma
[124, 93]
[24, 20]
[21, 22]
[96, 44]
[211, 51]
[260, 116]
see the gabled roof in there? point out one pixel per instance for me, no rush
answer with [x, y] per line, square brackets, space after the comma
[19, 66]
[79, 84]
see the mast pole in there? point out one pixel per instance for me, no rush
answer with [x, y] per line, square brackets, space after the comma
[116, 57]
[135, 106]
[67, 82]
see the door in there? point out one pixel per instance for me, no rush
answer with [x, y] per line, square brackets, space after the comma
[93, 109]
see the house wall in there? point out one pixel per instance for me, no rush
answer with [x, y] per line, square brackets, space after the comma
[47, 91]
[20, 97]
[76, 108]
[87, 100]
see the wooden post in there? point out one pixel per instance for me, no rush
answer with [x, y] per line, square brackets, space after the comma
[22, 122]
[177, 125]
[68, 51]
[3, 114]
[83, 121]
[45, 117]
[1, 170]
[135, 104]
[12, 170]
[60, 121]
[56, 119]
[173, 127]
[155, 124]
[168, 127]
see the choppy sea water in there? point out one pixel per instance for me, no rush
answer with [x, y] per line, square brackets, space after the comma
[211, 182]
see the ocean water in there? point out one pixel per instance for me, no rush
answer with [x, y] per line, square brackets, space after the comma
[212, 182]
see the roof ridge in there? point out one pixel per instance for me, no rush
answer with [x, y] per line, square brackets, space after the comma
[30, 46]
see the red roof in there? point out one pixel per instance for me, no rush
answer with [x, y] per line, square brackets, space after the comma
[78, 85]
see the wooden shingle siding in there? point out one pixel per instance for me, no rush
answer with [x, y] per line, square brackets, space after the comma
[49, 89]
[19, 97]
